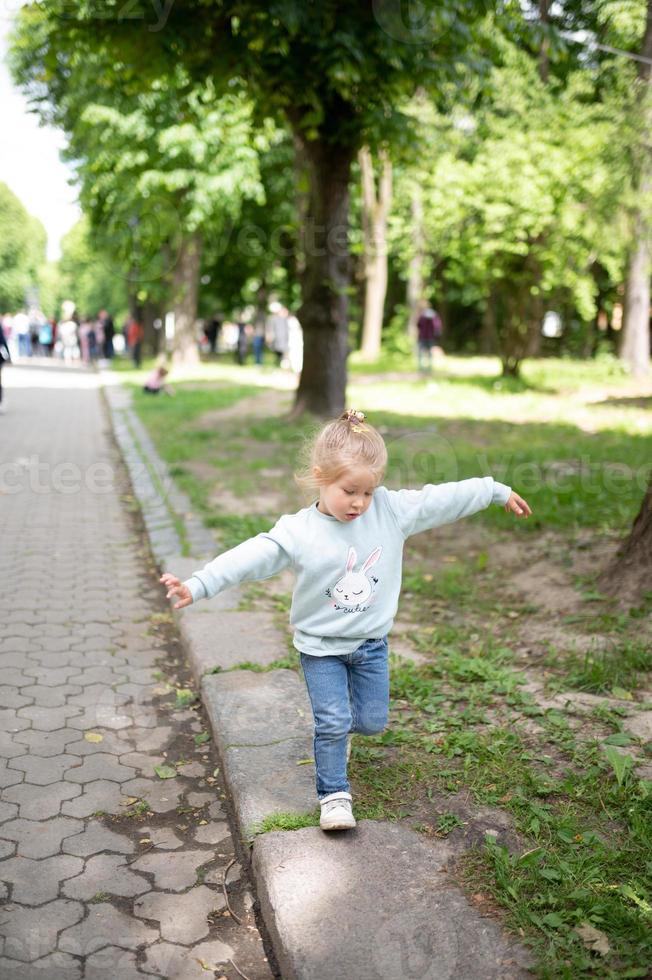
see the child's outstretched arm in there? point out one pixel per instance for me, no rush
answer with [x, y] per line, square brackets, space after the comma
[444, 503]
[257, 558]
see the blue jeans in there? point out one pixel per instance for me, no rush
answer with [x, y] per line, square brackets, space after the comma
[348, 693]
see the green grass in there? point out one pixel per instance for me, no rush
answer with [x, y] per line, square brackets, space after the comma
[286, 821]
[587, 829]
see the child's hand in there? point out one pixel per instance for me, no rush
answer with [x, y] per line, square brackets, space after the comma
[518, 506]
[175, 588]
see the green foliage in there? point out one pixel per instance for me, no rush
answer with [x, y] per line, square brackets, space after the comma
[87, 275]
[22, 251]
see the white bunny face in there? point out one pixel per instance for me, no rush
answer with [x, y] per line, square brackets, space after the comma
[354, 588]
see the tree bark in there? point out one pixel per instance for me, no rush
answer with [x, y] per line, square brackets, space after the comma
[325, 281]
[629, 574]
[414, 292]
[185, 288]
[635, 346]
[376, 202]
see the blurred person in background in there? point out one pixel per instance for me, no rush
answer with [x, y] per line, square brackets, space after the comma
[135, 334]
[5, 358]
[21, 332]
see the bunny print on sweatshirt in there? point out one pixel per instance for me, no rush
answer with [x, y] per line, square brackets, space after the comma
[353, 591]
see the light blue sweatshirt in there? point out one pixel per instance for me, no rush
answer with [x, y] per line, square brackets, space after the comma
[348, 575]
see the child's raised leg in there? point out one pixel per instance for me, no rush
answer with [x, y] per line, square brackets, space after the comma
[369, 686]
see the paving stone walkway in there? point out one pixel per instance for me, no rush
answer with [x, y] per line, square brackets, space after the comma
[109, 872]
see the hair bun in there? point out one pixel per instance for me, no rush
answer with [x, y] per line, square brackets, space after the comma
[353, 415]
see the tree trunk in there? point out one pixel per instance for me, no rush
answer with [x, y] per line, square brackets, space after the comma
[325, 281]
[629, 574]
[151, 341]
[488, 332]
[375, 210]
[414, 293]
[635, 347]
[185, 288]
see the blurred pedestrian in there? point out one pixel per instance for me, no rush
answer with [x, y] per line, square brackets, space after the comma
[69, 340]
[212, 332]
[21, 330]
[46, 338]
[242, 342]
[278, 332]
[135, 334]
[429, 331]
[107, 328]
[5, 358]
[295, 344]
[258, 336]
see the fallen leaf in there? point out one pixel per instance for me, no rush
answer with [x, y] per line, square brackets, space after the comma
[202, 822]
[204, 965]
[593, 939]
[301, 712]
[145, 840]
[304, 762]
[165, 772]
[129, 800]
[93, 736]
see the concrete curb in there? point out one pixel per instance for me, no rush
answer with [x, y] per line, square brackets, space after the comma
[369, 904]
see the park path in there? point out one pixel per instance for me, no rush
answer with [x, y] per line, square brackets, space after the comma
[108, 871]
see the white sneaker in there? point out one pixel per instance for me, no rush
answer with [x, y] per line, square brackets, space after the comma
[336, 812]
[349, 739]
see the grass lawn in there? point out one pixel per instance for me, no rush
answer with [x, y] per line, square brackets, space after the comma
[520, 727]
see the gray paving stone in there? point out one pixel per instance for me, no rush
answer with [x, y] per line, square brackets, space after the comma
[212, 833]
[56, 966]
[40, 802]
[9, 776]
[410, 918]
[48, 719]
[32, 933]
[103, 796]
[7, 848]
[116, 743]
[39, 838]
[50, 697]
[36, 882]
[102, 765]
[10, 747]
[142, 762]
[163, 838]
[47, 743]
[43, 771]
[173, 872]
[10, 697]
[182, 918]
[105, 873]
[96, 838]
[168, 960]
[10, 722]
[162, 795]
[262, 774]
[113, 963]
[199, 799]
[105, 926]
[7, 810]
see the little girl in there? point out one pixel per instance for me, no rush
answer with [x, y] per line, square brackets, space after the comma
[346, 550]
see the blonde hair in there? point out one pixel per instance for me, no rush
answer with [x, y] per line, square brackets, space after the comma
[337, 447]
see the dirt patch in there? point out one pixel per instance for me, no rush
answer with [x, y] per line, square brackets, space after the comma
[270, 403]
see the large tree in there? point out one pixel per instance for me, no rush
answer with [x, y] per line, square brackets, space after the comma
[338, 71]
